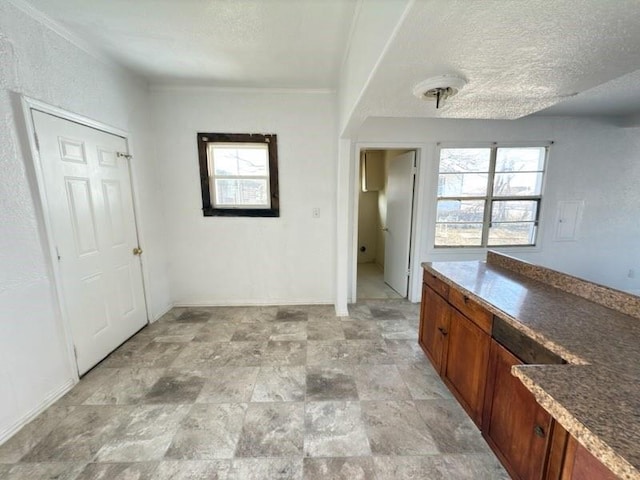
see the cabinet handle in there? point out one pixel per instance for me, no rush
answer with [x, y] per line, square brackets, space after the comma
[443, 331]
[539, 431]
[465, 298]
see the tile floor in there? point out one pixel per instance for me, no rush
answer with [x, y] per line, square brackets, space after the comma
[371, 283]
[248, 393]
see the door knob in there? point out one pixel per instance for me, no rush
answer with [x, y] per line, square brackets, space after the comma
[137, 251]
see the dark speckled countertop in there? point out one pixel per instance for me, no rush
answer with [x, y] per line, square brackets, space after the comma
[596, 397]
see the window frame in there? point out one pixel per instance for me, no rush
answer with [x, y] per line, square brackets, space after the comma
[490, 197]
[208, 207]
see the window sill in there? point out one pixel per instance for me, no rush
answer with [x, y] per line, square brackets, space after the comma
[241, 212]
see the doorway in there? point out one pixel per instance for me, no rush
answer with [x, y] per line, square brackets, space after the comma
[85, 187]
[385, 218]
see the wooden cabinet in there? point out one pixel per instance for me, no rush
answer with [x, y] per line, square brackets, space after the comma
[481, 317]
[434, 326]
[465, 368]
[456, 334]
[568, 460]
[457, 345]
[437, 285]
[514, 425]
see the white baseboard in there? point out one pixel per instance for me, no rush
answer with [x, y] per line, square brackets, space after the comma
[250, 303]
[49, 400]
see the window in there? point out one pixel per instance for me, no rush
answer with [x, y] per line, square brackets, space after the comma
[239, 174]
[489, 197]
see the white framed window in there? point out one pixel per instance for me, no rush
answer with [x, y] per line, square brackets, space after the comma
[239, 174]
[489, 196]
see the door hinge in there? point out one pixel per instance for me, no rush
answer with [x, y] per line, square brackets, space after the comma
[409, 272]
[58, 254]
[37, 142]
[75, 353]
[124, 155]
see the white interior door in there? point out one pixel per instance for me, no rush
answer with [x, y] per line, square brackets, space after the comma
[88, 189]
[400, 181]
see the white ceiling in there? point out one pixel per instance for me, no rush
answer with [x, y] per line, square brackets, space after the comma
[240, 43]
[518, 57]
[619, 97]
[556, 57]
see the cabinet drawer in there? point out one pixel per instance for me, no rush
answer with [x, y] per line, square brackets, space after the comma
[436, 284]
[471, 309]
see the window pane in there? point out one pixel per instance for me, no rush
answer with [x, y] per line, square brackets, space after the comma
[225, 161]
[253, 161]
[460, 210]
[238, 192]
[250, 160]
[512, 234]
[464, 160]
[253, 192]
[462, 184]
[520, 159]
[517, 184]
[226, 192]
[514, 211]
[458, 234]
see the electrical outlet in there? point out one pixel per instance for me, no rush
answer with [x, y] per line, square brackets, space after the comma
[632, 273]
[315, 213]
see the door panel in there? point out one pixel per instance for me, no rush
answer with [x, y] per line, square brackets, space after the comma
[88, 190]
[465, 370]
[82, 219]
[515, 424]
[72, 150]
[126, 292]
[400, 181]
[115, 214]
[434, 326]
[95, 305]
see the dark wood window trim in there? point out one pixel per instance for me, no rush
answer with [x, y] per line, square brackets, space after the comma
[208, 208]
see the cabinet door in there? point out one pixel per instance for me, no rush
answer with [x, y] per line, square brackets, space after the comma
[581, 465]
[515, 426]
[434, 326]
[465, 368]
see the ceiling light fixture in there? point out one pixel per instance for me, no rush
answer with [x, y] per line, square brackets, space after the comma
[439, 88]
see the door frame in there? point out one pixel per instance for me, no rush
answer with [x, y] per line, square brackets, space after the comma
[29, 105]
[413, 295]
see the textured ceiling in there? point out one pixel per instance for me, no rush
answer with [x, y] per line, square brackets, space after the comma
[518, 57]
[556, 57]
[240, 43]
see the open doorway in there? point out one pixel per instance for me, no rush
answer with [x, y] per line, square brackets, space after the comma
[385, 213]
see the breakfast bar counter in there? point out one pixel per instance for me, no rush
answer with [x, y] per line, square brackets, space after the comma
[595, 396]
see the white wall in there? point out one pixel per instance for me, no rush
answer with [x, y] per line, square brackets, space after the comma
[374, 25]
[219, 260]
[368, 226]
[371, 166]
[35, 61]
[591, 160]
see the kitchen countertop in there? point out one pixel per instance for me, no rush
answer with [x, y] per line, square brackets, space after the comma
[596, 397]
